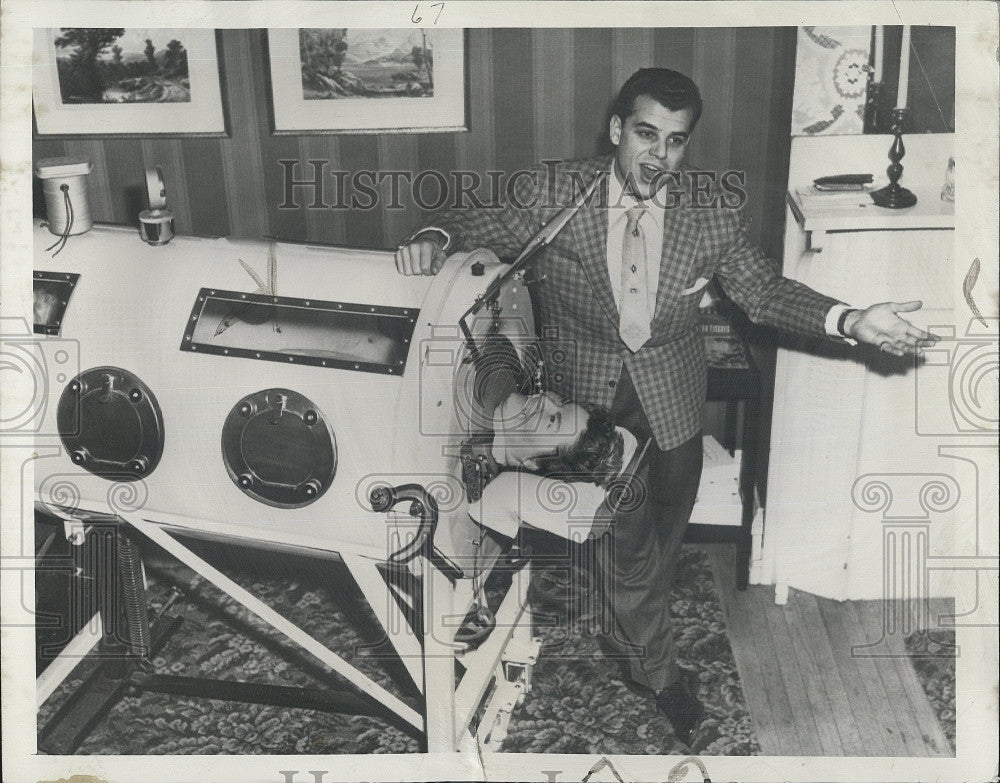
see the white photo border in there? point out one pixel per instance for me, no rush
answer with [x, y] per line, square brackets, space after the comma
[976, 218]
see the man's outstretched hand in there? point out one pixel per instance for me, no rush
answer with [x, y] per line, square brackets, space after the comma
[420, 257]
[880, 325]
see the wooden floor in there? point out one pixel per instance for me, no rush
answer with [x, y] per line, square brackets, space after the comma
[811, 690]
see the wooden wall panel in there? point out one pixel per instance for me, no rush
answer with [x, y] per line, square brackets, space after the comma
[552, 100]
[324, 216]
[474, 151]
[592, 94]
[533, 94]
[398, 154]
[126, 181]
[716, 72]
[513, 85]
[673, 47]
[207, 186]
[242, 162]
[360, 155]
[630, 51]
[281, 223]
[437, 152]
[769, 149]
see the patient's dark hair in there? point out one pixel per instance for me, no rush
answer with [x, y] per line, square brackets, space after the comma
[595, 456]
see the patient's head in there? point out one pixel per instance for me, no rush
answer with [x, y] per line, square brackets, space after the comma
[548, 435]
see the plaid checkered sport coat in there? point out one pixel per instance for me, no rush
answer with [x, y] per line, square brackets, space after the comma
[579, 316]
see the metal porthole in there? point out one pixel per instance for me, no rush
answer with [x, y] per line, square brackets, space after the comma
[111, 424]
[279, 449]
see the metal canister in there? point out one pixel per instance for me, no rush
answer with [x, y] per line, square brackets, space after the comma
[67, 205]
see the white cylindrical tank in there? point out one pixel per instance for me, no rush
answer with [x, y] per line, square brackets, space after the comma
[328, 347]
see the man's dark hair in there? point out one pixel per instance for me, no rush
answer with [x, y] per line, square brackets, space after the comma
[669, 88]
[595, 456]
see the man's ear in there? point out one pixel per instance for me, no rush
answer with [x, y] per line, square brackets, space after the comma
[615, 130]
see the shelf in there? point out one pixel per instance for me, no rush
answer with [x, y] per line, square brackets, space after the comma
[818, 217]
[732, 374]
[719, 502]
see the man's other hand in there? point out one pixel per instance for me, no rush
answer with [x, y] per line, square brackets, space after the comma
[422, 256]
[880, 325]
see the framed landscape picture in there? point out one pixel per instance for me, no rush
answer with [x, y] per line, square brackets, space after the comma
[356, 80]
[116, 81]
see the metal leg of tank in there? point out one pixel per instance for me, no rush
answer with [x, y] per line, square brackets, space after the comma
[384, 602]
[405, 712]
[112, 563]
[439, 651]
[497, 672]
[504, 662]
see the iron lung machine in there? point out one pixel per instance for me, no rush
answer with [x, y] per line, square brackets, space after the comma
[298, 398]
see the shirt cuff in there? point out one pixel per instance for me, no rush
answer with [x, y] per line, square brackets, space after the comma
[830, 325]
[432, 230]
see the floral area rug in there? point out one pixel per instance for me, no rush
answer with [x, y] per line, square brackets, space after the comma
[578, 704]
[932, 653]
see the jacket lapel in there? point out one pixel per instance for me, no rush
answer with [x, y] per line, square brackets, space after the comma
[589, 231]
[589, 228]
[681, 235]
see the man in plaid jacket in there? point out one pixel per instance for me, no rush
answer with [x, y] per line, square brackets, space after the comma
[656, 389]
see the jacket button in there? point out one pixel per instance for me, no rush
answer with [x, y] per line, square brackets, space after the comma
[612, 384]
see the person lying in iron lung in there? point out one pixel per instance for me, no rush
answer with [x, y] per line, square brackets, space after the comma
[555, 465]
[566, 464]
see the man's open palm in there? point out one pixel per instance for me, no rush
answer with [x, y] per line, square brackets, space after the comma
[881, 325]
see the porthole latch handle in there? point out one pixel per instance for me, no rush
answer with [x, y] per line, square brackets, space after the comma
[107, 388]
[278, 403]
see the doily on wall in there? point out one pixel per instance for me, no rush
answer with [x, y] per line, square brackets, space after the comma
[830, 80]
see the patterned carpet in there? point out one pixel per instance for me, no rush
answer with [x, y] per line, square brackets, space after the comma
[578, 704]
[933, 656]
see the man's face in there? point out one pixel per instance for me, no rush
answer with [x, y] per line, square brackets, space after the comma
[651, 141]
[527, 427]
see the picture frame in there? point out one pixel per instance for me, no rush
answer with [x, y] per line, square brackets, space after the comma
[119, 81]
[367, 80]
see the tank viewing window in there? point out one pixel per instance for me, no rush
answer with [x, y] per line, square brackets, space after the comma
[366, 338]
[52, 293]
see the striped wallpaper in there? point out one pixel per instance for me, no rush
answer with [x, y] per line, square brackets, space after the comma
[534, 94]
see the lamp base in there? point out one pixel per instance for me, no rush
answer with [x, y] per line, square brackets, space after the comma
[894, 196]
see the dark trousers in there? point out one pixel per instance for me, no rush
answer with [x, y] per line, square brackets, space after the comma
[636, 561]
